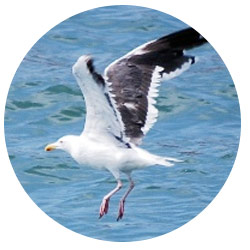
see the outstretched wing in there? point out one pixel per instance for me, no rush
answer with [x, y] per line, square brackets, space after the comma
[101, 117]
[133, 79]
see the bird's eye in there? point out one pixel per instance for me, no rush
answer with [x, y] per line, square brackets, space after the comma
[61, 141]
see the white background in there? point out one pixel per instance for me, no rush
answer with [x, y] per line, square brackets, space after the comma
[224, 224]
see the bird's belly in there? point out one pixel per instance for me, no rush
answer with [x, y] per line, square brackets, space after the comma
[95, 161]
[97, 158]
[121, 159]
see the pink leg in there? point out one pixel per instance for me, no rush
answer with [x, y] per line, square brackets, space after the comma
[105, 202]
[122, 201]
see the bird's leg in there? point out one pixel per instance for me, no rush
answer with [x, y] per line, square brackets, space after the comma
[105, 201]
[122, 201]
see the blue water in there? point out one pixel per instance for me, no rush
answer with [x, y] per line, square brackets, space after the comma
[199, 122]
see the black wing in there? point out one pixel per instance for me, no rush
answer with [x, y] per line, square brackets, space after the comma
[133, 79]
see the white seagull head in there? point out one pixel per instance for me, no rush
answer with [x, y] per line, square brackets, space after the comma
[65, 143]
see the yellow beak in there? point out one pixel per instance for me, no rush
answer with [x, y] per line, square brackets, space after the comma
[50, 147]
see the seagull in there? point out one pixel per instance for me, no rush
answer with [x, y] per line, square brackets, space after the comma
[120, 108]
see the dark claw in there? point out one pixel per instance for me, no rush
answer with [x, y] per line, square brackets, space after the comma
[121, 210]
[119, 217]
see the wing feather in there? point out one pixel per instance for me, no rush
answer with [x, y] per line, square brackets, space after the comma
[134, 78]
[101, 117]
[122, 104]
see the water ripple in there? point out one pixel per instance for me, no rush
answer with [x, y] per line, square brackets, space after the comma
[199, 122]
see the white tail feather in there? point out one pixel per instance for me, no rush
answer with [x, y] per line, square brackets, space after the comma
[166, 161]
[172, 159]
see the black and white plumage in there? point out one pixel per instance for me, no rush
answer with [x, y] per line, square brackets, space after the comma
[120, 107]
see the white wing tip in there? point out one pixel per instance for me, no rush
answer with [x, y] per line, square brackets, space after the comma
[80, 67]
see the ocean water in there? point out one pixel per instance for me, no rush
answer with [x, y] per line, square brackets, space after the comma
[199, 122]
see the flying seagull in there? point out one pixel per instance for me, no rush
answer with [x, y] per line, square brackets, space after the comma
[121, 108]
